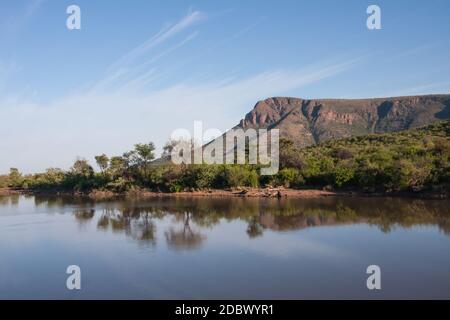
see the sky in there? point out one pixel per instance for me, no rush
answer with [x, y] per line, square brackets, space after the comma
[138, 70]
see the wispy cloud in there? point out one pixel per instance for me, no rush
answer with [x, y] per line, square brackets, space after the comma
[33, 7]
[138, 76]
[123, 108]
[163, 35]
[413, 51]
[101, 122]
[6, 71]
[133, 68]
[12, 24]
[429, 88]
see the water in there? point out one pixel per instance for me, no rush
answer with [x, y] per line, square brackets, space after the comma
[175, 248]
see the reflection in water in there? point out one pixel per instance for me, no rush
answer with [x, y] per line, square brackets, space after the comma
[136, 224]
[136, 218]
[84, 215]
[255, 229]
[221, 244]
[184, 238]
[12, 200]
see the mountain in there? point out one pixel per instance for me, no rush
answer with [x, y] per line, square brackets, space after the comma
[309, 122]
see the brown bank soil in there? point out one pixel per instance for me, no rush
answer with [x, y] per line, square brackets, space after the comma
[246, 193]
[283, 193]
[7, 192]
[209, 193]
[101, 195]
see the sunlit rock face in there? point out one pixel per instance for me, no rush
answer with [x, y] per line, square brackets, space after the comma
[308, 122]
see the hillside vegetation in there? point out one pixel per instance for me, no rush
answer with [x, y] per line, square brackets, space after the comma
[415, 160]
[409, 160]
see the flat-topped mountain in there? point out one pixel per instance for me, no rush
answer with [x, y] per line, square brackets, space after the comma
[308, 122]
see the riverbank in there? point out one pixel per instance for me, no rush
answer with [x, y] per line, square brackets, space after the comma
[279, 192]
[7, 192]
[248, 193]
[207, 193]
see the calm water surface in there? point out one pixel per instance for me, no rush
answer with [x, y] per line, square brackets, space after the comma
[224, 248]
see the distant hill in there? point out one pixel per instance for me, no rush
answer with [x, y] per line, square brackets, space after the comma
[309, 122]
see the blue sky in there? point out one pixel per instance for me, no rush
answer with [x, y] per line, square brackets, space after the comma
[138, 70]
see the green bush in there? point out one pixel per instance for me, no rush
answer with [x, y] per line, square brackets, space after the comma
[289, 177]
[343, 175]
[408, 160]
[241, 176]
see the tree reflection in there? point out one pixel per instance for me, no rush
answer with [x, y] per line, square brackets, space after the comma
[84, 214]
[184, 238]
[254, 229]
[135, 224]
[11, 200]
[188, 217]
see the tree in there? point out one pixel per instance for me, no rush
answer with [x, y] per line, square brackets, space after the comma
[4, 181]
[168, 148]
[15, 178]
[82, 167]
[142, 155]
[102, 162]
[117, 166]
[290, 155]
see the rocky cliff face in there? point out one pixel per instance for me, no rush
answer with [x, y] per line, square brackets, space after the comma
[308, 122]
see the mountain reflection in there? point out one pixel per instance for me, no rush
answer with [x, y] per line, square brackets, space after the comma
[186, 220]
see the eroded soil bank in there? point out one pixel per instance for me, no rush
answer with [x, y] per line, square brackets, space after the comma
[7, 192]
[238, 192]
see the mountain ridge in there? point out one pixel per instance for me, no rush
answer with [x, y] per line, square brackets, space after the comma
[311, 121]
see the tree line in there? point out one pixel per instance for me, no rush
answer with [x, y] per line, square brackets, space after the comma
[413, 160]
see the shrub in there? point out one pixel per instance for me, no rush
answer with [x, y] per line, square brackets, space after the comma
[289, 177]
[343, 175]
[241, 176]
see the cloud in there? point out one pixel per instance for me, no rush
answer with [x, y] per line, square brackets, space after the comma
[163, 35]
[7, 70]
[33, 7]
[280, 245]
[137, 77]
[35, 136]
[429, 88]
[134, 69]
[124, 107]
[13, 24]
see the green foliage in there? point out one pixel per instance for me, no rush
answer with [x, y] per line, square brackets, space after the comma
[15, 178]
[241, 176]
[51, 179]
[117, 167]
[289, 155]
[142, 155]
[405, 161]
[343, 175]
[102, 162]
[4, 181]
[199, 176]
[289, 177]
[82, 168]
[119, 185]
[408, 160]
